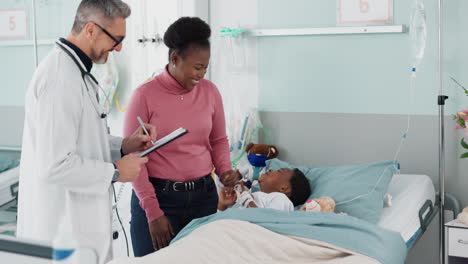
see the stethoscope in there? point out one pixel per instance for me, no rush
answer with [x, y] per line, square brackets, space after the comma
[99, 109]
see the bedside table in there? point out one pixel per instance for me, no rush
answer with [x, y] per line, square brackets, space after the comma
[456, 242]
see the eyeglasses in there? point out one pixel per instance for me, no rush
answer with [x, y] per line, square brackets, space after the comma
[117, 42]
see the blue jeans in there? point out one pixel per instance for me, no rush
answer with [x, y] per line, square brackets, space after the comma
[179, 207]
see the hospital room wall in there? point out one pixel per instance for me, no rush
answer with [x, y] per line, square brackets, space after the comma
[136, 63]
[344, 99]
[350, 92]
[358, 73]
[17, 59]
[233, 64]
[347, 97]
[356, 88]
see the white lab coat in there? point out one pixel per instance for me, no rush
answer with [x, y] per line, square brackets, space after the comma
[66, 168]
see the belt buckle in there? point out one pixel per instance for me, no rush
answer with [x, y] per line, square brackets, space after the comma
[174, 186]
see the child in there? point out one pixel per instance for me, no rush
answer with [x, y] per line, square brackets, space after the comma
[282, 190]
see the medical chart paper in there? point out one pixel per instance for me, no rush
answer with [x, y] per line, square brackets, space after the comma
[163, 141]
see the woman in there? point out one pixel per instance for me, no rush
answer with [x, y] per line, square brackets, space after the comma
[175, 186]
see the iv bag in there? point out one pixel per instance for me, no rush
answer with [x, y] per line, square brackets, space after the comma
[418, 32]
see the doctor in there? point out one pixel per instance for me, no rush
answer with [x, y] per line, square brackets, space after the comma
[66, 163]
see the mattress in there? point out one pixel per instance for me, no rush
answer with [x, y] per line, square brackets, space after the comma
[409, 192]
[8, 186]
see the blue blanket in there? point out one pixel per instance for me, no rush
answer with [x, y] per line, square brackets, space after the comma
[347, 232]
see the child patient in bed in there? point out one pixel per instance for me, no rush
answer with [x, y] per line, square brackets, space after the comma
[281, 190]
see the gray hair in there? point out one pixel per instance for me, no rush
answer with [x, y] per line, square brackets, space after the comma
[103, 10]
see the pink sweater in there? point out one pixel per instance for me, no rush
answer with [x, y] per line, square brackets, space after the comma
[164, 103]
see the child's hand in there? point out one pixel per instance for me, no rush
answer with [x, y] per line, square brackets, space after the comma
[227, 197]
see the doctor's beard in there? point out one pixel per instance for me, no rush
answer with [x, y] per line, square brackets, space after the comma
[102, 58]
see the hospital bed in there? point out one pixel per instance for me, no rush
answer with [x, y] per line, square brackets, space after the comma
[415, 204]
[9, 187]
[9, 181]
[9, 178]
[413, 208]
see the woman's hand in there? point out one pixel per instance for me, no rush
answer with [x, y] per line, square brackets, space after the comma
[230, 178]
[227, 197]
[161, 232]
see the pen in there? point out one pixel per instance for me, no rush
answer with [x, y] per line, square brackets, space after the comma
[144, 128]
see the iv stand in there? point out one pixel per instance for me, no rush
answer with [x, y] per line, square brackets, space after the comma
[441, 102]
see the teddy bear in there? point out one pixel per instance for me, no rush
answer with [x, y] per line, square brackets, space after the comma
[322, 204]
[257, 155]
[463, 216]
[269, 151]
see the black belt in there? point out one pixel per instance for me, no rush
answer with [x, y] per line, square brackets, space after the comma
[184, 186]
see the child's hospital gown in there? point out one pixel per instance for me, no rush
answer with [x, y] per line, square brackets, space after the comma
[274, 200]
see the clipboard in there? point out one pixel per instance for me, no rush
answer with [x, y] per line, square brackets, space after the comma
[165, 140]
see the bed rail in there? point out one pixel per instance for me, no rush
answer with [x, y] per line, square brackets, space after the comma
[425, 216]
[10, 148]
[428, 212]
[451, 204]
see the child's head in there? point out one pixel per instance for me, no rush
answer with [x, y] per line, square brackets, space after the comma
[293, 183]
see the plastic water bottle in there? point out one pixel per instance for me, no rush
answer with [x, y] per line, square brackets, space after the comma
[64, 245]
[418, 34]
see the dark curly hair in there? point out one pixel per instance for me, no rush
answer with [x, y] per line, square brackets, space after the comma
[300, 188]
[187, 32]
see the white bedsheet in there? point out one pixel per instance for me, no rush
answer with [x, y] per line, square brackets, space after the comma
[234, 241]
[409, 192]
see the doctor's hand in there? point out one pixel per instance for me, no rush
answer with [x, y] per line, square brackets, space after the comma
[129, 167]
[161, 232]
[230, 178]
[139, 140]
